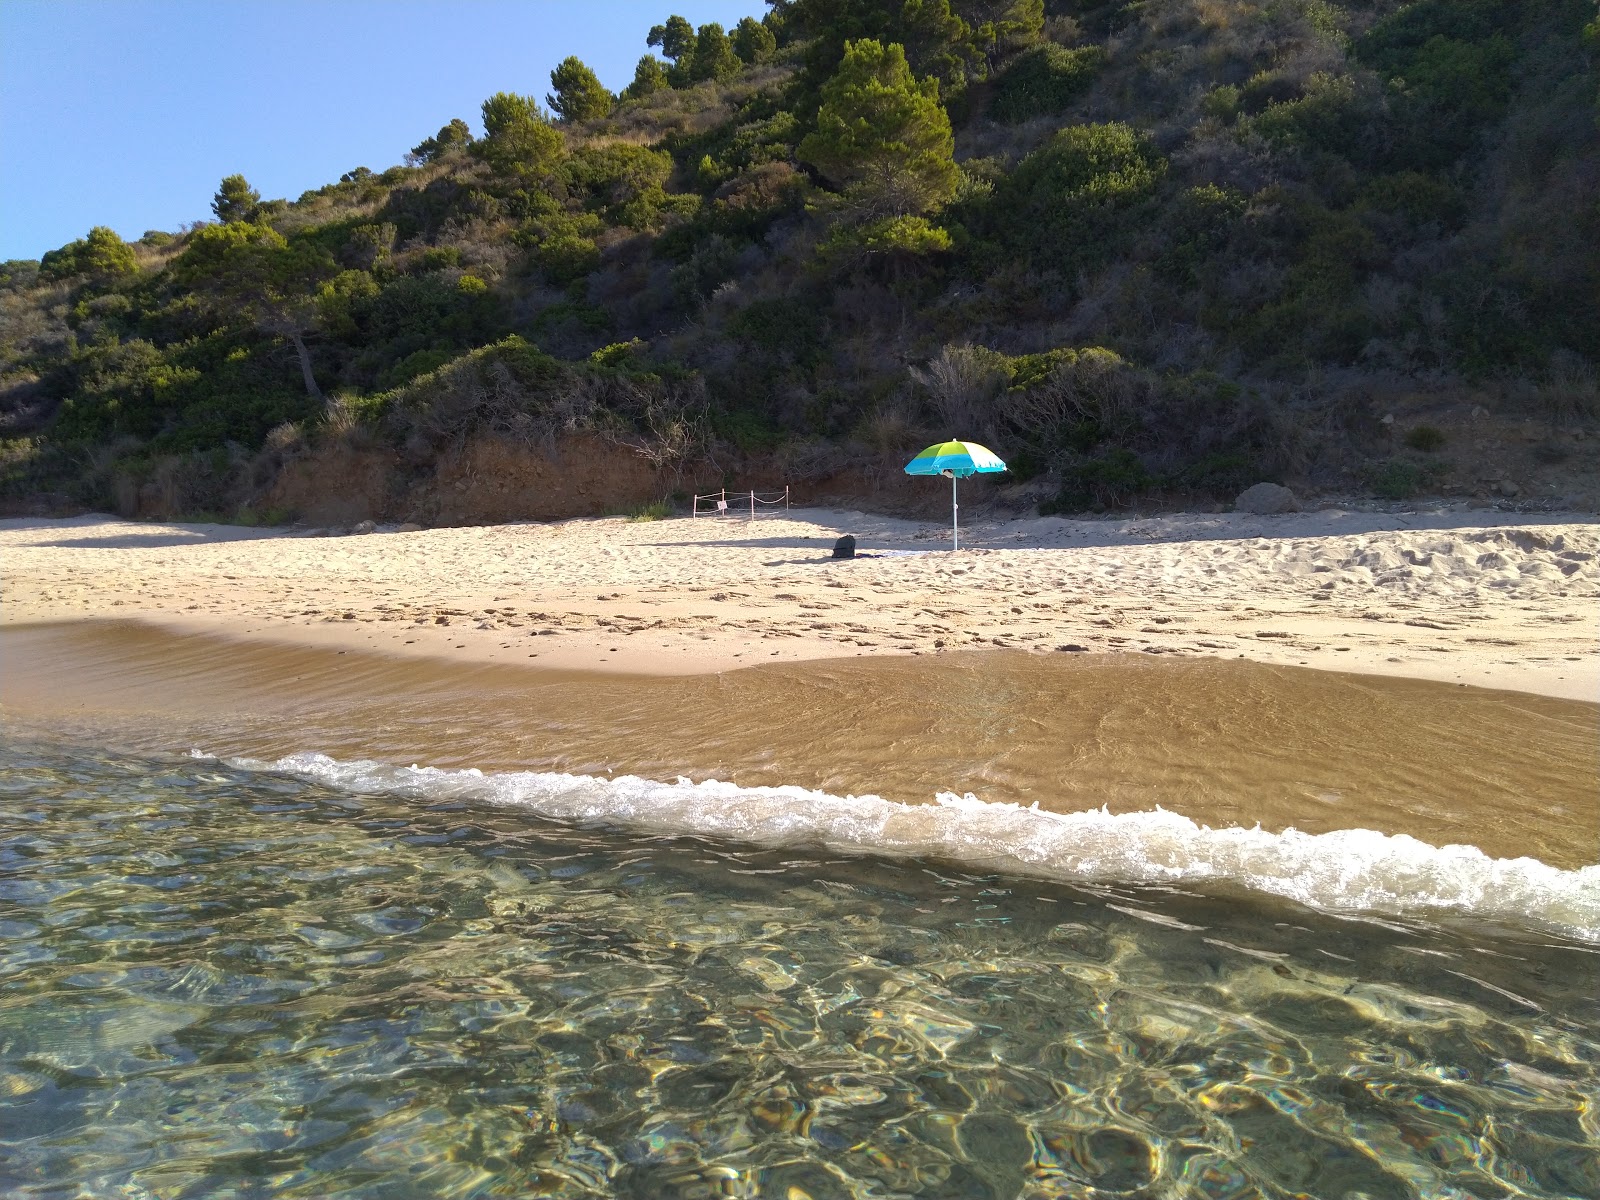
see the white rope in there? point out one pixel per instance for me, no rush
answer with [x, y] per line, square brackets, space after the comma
[725, 501]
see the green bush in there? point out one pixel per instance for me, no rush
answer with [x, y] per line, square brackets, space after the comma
[565, 257]
[1425, 438]
[102, 256]
[1043, 80]
[1418, 199]
[1332, 116]
[438, 258]
[658, 510]
[1112, 480]
[1451, 62]
[788, 327]
[752, 432]
[1395, 480]
[1222, 103]
[412, 366]
[897, 241]
[1070, 201]
[1197, 225]
[614, 174]
[1223, 474]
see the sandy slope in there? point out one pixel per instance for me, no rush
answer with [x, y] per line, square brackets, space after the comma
[1455, 596]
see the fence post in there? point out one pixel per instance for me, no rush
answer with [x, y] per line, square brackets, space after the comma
[752, 504]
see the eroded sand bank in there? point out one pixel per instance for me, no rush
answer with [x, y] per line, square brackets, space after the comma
[1460, 597]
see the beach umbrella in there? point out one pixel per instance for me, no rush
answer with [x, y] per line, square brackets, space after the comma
[955, 460]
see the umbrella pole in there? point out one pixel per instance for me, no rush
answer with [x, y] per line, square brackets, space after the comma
[955, 516]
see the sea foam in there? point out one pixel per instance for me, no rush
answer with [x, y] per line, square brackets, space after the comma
[1347, 869]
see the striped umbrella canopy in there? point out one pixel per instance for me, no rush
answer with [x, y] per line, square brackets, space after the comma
[956, 460]
[959, 459]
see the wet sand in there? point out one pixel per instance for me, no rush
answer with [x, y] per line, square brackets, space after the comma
[1223, 742]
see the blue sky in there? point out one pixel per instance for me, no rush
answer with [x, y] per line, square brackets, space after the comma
[128, 113]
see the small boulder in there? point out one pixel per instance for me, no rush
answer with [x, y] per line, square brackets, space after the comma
[845, 547]
[1265, 499]
[364, 527]
[408, 527]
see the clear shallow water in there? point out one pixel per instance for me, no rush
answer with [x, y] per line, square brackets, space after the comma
[224, 982]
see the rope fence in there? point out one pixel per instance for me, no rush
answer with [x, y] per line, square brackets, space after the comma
[752, 504]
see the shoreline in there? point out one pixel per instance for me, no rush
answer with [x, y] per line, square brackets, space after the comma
[1226, 744]
[1454, 597]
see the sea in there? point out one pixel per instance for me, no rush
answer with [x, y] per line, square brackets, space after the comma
[250, 946]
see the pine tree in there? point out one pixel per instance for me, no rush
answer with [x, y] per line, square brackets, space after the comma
[713, 55]
[883, 135]
[456, 133]
[675, 38]
[752, 41]
[520, 138]
[649, 76]
[235, 200]
[579, 95]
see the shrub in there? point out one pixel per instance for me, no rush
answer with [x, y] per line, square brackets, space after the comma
[658, 510]
[616, 174]
[1223, 474]
[1112, 480]
[565, 258]
[788, 328]
[751, 432]
[437, 258]
[1426, 438]
[1221, 103]
[897, 241]
[1069, 200]
[1333, 116]
[1455, 59]
[1420, 200]
[1045, 79]
[101, 256]
[1395, 480]
[1198, 225]
[412, 366]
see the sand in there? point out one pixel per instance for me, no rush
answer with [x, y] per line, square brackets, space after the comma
[1456, 596]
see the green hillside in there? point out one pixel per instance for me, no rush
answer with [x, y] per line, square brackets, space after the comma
[1144, 247]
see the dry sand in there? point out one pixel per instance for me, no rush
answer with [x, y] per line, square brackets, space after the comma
[1455, 596]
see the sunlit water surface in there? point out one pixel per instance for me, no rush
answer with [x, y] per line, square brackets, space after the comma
[219, 982]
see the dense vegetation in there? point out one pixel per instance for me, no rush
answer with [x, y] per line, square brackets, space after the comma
[1165, 244]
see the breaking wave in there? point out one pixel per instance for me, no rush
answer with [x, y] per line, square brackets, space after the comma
[1348, 869]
